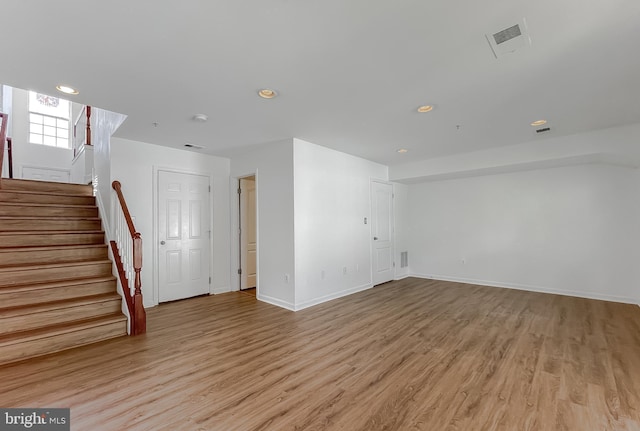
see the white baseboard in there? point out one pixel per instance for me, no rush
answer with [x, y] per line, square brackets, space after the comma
[402, 277]
[277, 302]
[336, 295]
[218, 290]
[530, 288]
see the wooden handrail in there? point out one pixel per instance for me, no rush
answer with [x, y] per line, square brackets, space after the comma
[125, 209]
[134, 303]
[3, 138]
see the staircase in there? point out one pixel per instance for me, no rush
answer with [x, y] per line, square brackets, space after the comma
[57, 290]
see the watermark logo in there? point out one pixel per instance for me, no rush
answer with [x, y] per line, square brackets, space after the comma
[35, 419]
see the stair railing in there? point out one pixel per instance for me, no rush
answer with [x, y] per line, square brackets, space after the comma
[3, 139]
[127, 253]
[82, 130]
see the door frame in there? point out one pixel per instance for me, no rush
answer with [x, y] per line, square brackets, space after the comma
[156, 239]
[241, 234]
[393, 227]
[234, 184]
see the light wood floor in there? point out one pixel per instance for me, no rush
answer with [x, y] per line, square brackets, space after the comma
[408, 355]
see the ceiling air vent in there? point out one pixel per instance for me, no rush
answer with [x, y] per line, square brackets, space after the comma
[197, 147]
[509, 40]
[545, 129]
[507, 34]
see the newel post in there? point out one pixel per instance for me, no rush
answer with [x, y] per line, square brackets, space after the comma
[140, 318]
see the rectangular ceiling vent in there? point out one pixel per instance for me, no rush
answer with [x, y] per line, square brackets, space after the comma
[509, 40]
[507, 34]
[197, 147]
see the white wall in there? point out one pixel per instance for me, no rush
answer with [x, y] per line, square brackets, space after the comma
[332, 197]
[273, 166]
[30, 155]
[103, 125]
[132, 163]
[572, 230]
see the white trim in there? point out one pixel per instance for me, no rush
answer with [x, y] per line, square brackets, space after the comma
[332, 296]
[393, 227]
[530, 288]
[234, 183]
[277, 302]
[218, 290]
[154, 202]
[402, 277]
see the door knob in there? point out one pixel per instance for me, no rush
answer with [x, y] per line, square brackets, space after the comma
[162, 243]
[375, 238]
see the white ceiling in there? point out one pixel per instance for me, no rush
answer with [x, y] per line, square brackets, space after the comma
[350, 73]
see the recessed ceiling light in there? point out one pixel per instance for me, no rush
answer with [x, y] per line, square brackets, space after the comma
[66, 89]
[425, 108]
[539, 123]
[403, 150]
[267, 93]
[201, 118]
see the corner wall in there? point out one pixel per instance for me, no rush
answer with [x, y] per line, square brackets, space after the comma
[273, 166]
[332, 197]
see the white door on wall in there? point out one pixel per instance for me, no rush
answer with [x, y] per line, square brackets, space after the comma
[184, 235]
[382, 231]
[248, 233]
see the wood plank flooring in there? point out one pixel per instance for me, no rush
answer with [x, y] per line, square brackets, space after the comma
[407, 355]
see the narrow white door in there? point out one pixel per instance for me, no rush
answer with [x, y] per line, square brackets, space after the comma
[248, 232]
[183, 233]
[382, 231]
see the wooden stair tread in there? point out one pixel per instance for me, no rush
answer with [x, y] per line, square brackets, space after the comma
[61, 328]
[54, 284]
[48, 232]
[46, 186]
[54, 265]
[51, 247]
[63, 217]
[41, 205]
[58, 305]
[57, 290]
[36, 192]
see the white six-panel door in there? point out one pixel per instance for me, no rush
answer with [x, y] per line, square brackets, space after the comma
[183, 235]
[382, 231]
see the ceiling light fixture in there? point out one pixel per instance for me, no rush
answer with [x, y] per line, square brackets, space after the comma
[425, 108]
[267, 93]
[66, 89]
[403, 150]
[539, 123]
[201, 118]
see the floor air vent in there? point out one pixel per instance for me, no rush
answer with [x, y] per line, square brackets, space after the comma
[404, 259]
